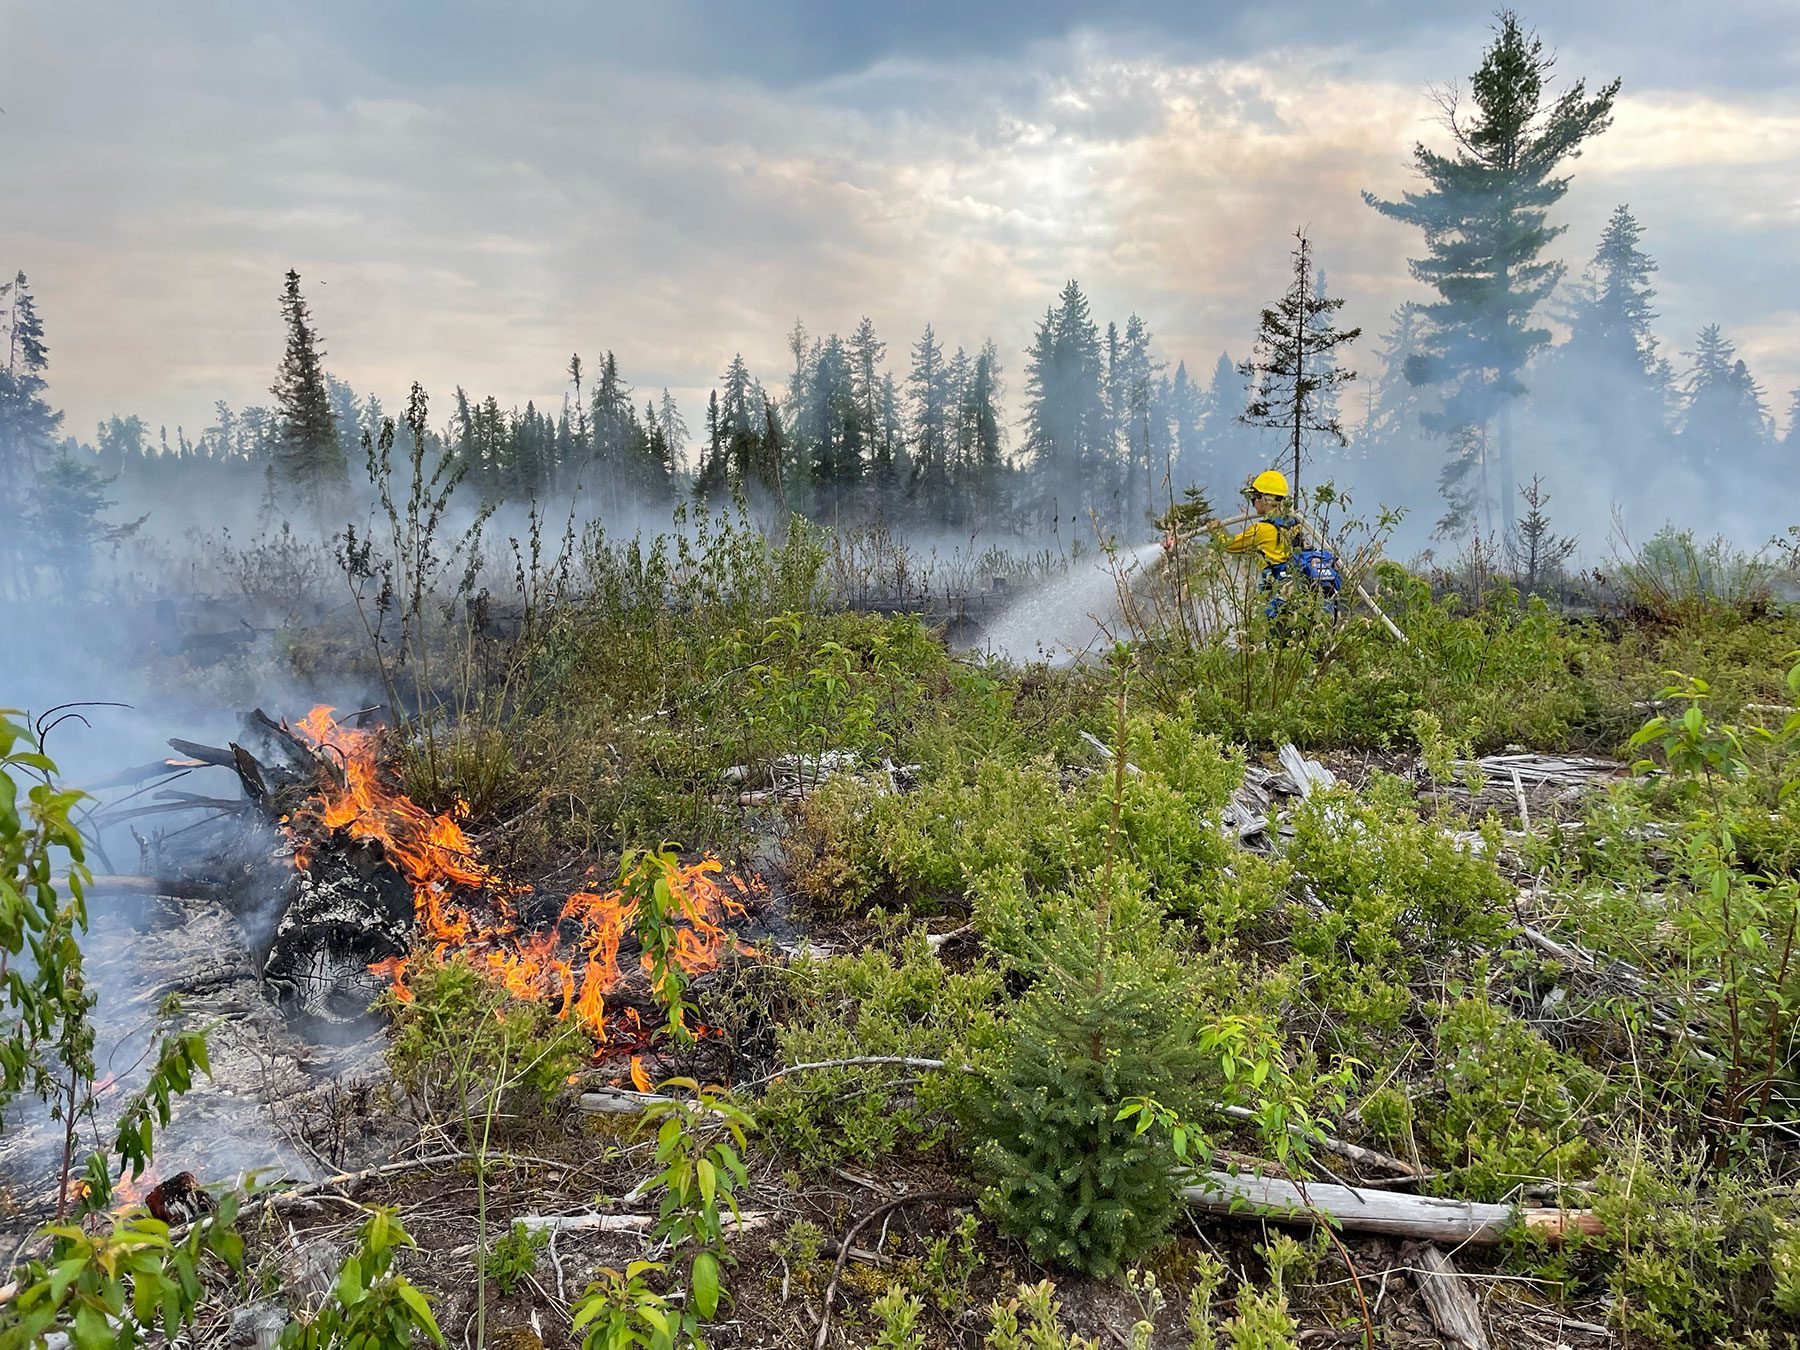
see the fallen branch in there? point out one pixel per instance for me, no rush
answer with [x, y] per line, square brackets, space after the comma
[746, 1221]
[611, 1101]
[1447, 1299]
[855, 1062]
[1362, 1209]
[179, 887]
[837, 1271]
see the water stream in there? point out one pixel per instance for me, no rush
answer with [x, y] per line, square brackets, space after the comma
[1068, 619]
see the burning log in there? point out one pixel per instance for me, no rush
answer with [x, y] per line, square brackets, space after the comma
[339, 875]
[180, 1199]
[347, 912]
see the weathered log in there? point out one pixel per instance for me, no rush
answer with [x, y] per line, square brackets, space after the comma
[746, 1221]
[1105, 751]
[256, 1326]
[1367, 1210]
[611, 1101]
[1306, 774]
[1448, 1302]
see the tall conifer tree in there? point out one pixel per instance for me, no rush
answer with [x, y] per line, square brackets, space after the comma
[1483, 216]
[309, 462]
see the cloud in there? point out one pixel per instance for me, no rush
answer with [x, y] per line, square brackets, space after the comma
[458, 226]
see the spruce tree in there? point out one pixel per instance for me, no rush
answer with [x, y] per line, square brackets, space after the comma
[1483, 216]
[614, 426]
[572, 460]
[866, 355]
[710, 481]
[309, 463]
[1607, 388]
[28, 424]
[1294, 369]
[987, 463]
[1615, 303]
[1139, 371]
[1231, 449]
[68, 504]
[1724, 420]
[1187, 414]
[674, 428]
[1066, 417]
[28, 428]
[928, 385]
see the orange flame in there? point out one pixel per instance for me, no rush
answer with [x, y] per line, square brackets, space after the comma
[462, 906]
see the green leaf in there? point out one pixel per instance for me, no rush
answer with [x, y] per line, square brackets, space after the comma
[349, 1282]
[421, 1310]
[706, 1284]
[92, 1331]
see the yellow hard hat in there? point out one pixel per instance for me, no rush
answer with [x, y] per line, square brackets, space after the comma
[1270, 481]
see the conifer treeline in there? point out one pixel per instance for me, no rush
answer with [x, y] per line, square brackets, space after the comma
[1105, 425]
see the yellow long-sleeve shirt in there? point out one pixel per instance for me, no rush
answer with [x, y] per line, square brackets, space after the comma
[1275, 544]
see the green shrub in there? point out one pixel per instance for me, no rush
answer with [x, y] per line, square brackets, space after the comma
[1032, 1320]
[1507, 1108]
[898, 1313]
[458, 1040]
[905, 1003]
[1383, 892]
[998, 835]
[1692, 1257]
[513, 1257]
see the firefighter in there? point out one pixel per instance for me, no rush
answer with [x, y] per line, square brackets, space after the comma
[1271, 536]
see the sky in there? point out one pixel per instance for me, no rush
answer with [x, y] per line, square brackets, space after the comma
[471, 192]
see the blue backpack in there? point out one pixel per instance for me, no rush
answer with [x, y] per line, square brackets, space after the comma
[1317, 565]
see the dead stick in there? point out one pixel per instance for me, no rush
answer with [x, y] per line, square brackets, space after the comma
[843, 1255]
[1356, 1153]
[1448, 1302]
[276, 1195]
